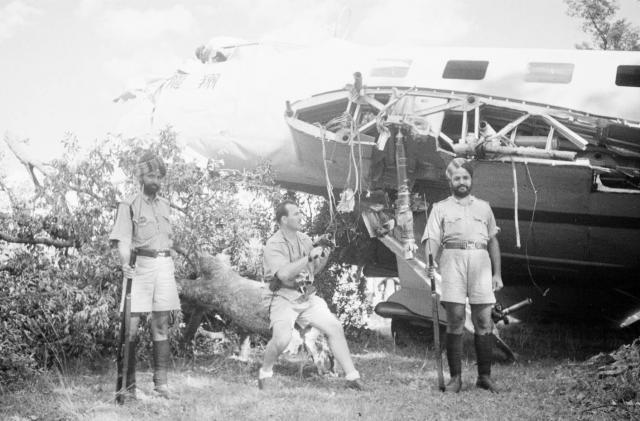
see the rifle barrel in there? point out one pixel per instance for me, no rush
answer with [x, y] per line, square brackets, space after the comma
[517, 306]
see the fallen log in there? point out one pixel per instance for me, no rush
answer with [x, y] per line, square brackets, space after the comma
[244, 301]
[219, 288]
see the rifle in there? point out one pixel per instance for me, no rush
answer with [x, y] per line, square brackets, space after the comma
[498, 313]
[124, 345]
[435, 304]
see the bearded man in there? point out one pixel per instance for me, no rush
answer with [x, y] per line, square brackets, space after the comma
[143, 227]
[461, 234]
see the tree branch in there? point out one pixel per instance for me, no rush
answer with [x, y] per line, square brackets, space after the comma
[45, 241]
[600, 32]
[12, 197]
[30, 163]
[79, 189]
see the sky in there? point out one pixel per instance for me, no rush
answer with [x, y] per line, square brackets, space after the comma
[64, 61]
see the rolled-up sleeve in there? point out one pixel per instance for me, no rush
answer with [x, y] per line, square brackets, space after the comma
[492, 227]
[123, 227]
[433, 229]
[273, 259]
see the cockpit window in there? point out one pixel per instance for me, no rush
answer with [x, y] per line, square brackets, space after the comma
[465, 69]
[549, 72]
[628, 76]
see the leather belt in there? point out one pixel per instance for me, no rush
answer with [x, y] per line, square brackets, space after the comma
[153, 253]
[465, 245]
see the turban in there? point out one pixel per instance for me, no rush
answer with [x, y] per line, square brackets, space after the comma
[148, 163]
[459, 163]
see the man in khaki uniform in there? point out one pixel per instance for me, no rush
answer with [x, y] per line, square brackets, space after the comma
[142, 225]
[461, 234]
[289, 259]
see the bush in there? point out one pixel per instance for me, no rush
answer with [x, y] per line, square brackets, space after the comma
[60, 284]
[48, 320]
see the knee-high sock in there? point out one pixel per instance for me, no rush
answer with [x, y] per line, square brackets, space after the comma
[454, 353]
[484, 353]
[161, 355]
[131, 366]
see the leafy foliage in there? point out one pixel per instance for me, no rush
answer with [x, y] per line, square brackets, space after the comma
[599, 21]
[342, 283]
[60, 287]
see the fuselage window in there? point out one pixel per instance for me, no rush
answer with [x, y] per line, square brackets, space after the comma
[628, 76]
[391, 71]
[549, 72]
[465, 69]
[391, 68]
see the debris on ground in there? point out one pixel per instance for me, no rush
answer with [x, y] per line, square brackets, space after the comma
[609, 383]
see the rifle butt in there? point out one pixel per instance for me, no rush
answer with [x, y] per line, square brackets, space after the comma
[124, 345]
[435, 301]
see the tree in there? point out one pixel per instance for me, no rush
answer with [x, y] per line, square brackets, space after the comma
[59, 279]
[599, 21]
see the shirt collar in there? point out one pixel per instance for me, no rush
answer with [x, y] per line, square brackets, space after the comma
[148, 200]
[471, 199]
[285, 239]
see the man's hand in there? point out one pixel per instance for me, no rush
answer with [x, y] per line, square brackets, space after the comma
[497, 282]
[431, 271]
[128, 271]
[318, 253]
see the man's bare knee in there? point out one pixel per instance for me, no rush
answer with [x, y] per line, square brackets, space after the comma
[455, 318]
[330, 326]
[334, 329]
[483, 326]
[281, 336]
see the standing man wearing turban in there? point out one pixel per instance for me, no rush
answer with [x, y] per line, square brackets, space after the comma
[142, 226]
[461, 234]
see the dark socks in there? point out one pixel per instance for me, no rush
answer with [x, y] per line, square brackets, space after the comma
[131, 367]
[454, 353]
[484, 353]
[161, 356]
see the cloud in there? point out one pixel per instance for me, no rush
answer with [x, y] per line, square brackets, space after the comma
[88, 7]
[422, 22]
[130, 25]
[15, 15]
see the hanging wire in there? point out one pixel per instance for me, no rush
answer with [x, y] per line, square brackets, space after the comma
[515, 202]
[530, 231]
[330, 195]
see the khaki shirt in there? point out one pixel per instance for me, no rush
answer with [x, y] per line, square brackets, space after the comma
[279, 252]
[150, 226]
[450, 220]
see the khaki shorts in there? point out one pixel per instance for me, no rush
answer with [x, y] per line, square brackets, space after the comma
[466, 273]
[154, 286]
[307, 312]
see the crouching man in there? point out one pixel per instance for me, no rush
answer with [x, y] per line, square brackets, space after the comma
[289, 258]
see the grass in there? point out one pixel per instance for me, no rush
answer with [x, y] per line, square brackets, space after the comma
[540, 386]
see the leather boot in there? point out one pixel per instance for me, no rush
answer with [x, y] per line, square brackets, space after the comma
[454, 357]
[484, 355]
[161, 355]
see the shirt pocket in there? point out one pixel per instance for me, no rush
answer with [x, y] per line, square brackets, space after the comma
[453, 226]
[146, 228]
[479, 226]
[164, 224]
